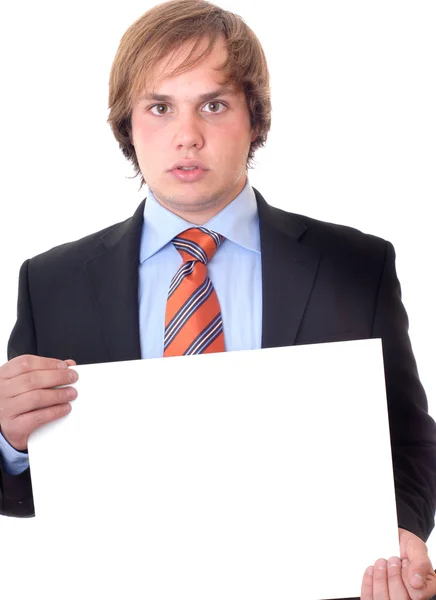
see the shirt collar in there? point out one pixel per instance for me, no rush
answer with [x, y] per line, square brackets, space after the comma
[237, 222]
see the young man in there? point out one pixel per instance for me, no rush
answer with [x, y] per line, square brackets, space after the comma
[189, 105]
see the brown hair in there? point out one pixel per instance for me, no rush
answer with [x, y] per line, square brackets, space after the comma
[161, 31]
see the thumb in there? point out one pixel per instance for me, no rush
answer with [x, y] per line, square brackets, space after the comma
[417, 565]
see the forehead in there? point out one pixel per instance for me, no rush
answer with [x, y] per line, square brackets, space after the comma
[207, 67]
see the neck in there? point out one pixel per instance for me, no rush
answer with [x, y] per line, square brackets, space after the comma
[202, 210]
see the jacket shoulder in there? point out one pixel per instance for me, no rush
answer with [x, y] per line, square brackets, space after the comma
[321, 235]
[326, 233]
[88, 247]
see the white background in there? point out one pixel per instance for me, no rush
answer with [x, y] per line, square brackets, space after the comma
[352, 140]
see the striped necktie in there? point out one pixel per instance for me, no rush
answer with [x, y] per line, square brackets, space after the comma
[193, 323]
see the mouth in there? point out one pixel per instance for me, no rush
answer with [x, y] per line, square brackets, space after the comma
[188, 164]
[189, 174]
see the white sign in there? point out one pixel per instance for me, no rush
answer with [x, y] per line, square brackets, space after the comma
[242, 475]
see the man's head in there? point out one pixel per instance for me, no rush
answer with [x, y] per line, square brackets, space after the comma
[161, 103]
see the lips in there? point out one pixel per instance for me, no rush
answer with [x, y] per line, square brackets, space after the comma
[188, 163]
[189, 175]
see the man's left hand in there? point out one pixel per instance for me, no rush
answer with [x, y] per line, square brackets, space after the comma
[408, 577]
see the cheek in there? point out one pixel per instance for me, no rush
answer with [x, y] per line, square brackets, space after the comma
[142, 128]
[240, 129]
[146, 139]
[236, 140]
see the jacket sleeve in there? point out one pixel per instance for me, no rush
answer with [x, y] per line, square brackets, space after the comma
[16, 497]
[413, 431]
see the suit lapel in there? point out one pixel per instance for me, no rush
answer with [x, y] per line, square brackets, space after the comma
[113, 280]
[288, 274]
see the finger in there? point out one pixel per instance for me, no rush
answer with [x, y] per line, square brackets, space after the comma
[396, 587]
[21, 427]
[366, 589]
[70, 362]
[38, 380]
[380, 580]
[28, 362]
[36, 400]
[425, 592]
[418, 566]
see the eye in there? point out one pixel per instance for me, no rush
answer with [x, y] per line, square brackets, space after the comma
[161, 109]
[215, 106]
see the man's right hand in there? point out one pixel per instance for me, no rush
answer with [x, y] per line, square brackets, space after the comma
[27, 397]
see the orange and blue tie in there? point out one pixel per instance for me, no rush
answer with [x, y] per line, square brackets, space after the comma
[193, 322]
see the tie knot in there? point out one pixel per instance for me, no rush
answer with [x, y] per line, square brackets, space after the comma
[198, 243]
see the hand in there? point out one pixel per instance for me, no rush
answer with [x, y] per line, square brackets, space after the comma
[410, 577]
[27, 397]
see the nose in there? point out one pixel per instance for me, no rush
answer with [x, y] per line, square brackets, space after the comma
[188, 131]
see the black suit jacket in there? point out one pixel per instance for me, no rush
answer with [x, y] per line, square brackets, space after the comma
[320, 282]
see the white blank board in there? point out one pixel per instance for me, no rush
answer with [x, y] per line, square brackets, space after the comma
[243, 475]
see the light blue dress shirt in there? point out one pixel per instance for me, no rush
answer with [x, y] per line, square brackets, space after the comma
[235, 271]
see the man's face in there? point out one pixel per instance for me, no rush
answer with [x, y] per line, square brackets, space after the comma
[190, 119]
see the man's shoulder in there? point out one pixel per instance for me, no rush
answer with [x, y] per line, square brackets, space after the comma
[89, 246]
[80, 248]
[320, 234]
[326, 231]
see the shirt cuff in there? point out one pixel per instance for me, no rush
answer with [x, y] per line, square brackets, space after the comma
[14, 461]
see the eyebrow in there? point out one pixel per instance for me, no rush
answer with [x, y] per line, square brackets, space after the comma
[202, 98]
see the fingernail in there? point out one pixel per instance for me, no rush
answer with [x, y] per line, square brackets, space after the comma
[62, 365]
[404, 563]
[369, 571]
[394, 562]
[419, 577]
[71, 393]
[73, 376]
[380, 564]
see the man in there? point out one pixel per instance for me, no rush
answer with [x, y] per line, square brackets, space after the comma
[189, 104]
